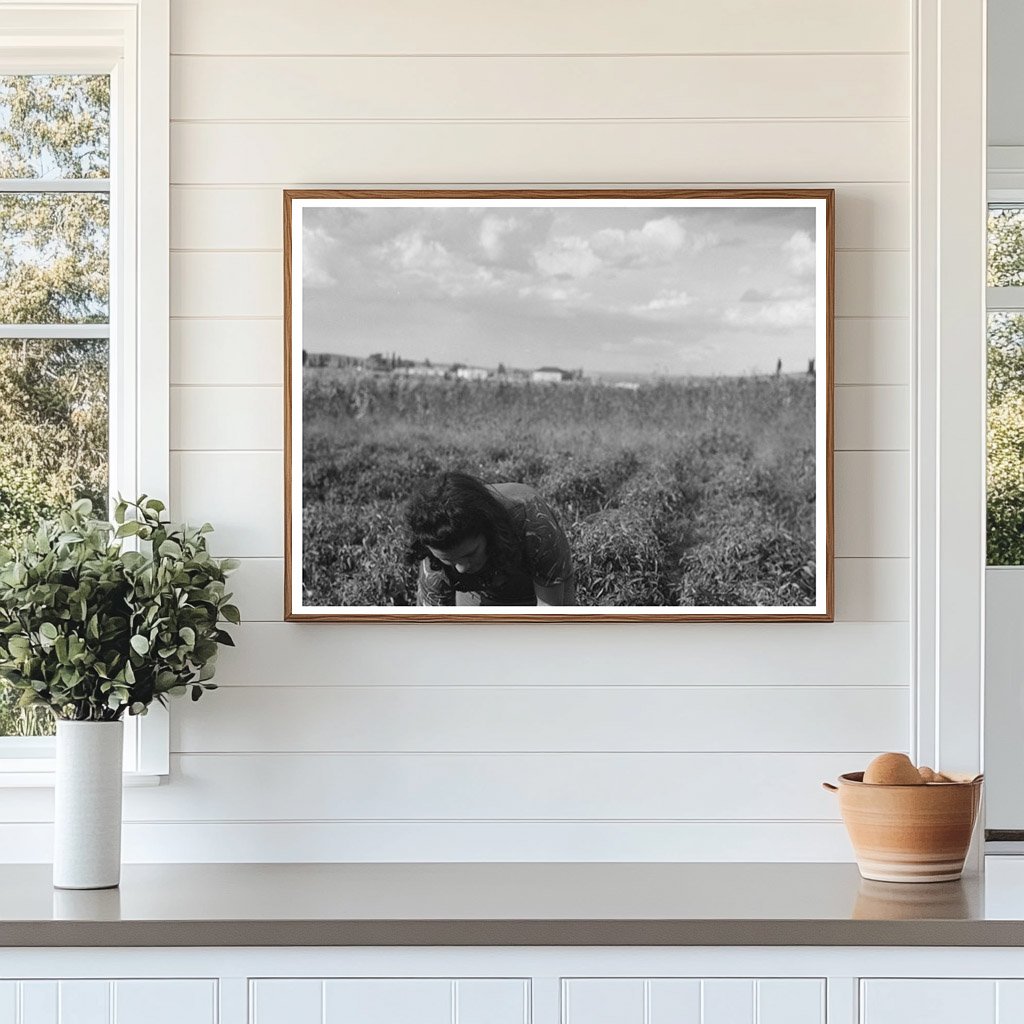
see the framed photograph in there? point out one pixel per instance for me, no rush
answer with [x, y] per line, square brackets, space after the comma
[558, 405]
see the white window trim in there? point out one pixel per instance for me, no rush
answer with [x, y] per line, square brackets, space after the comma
[130, 40]
[948, 448]
[1004, 716]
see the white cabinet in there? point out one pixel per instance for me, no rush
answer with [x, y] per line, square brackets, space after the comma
[103, 1001]
[942, 1001]
[693, 1001]
[389, 1001]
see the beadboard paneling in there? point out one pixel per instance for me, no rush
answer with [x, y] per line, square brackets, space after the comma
[729, 152]
[548, 717]
[282, 88]
[575, 654]
[868, 216]
[462, 26]
[461, 787]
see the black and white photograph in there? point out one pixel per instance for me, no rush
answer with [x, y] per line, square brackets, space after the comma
[577, 405]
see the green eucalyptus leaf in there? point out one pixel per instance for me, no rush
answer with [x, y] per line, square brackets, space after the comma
[170, 549]
[140, 644]
[48, 631]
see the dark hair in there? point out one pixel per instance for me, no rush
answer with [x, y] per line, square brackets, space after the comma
[450, 508]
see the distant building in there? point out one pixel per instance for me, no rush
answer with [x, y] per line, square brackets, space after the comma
[472, 373]
[550, 375]
[423, 370]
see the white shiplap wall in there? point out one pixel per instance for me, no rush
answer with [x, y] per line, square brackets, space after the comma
[677, 741]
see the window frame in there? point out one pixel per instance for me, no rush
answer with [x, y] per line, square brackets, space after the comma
[1004, 583]
[130, 41]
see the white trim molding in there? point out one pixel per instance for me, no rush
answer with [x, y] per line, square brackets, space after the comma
[949, 442]
[130, 40]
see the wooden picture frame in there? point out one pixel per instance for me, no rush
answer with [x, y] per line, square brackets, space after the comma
[387, 290]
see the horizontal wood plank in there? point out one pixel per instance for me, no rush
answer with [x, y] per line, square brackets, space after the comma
[707, 786]
[459, 842]
[239, 492]
[248, 352]
[727, 152]
[243, 495]
[233, 418]
[709, 719]
[211, 418]
[872, 504]
[867, 589]
[227, 352]
[872, 418]
[868, 216]
[576, 654]
[234, 284]
[872, 351]
[237, 88]
[462, 26]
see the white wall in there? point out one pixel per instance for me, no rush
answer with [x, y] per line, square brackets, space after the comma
[661, 741]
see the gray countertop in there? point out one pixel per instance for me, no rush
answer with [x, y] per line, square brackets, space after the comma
[505, 905]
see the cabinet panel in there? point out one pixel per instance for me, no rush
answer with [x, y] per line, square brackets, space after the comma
[388, 1001]
[790, 1001]
[1010, 1002]
[492, 1001]
[674, 1001]
[937, 1001]
[38, 1002]
[285, 1001]
[693, 1001]
[727, 1001]
[84, 1002]
[603, 1001]
[165, 1002]
[8, 1002]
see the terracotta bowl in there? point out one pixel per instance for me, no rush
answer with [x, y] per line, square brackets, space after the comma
[909, 833]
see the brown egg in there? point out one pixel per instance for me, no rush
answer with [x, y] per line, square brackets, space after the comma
[892, 770]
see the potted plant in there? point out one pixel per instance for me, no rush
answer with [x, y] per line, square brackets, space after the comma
[92, 631]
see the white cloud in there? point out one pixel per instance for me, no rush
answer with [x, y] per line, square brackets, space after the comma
[566, 256]
[799, 249]
[774, 314]
[666, 301]
[493, 232]
[412, 251]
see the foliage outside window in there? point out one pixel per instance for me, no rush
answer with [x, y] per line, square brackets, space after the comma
[54, 309]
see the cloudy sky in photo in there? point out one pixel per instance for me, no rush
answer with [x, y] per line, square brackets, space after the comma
[628, 290]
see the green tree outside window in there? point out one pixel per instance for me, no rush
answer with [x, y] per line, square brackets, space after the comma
[54, 271]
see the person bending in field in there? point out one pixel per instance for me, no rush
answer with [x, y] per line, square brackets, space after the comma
[487, 544]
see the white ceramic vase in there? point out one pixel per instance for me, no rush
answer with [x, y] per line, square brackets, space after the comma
[87, 805]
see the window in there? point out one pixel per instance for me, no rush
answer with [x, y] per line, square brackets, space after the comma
[1005, 478]
[54, 309]
[84, 125]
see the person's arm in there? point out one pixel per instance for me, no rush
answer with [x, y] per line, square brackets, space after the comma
[432, 588]
[553, 597]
